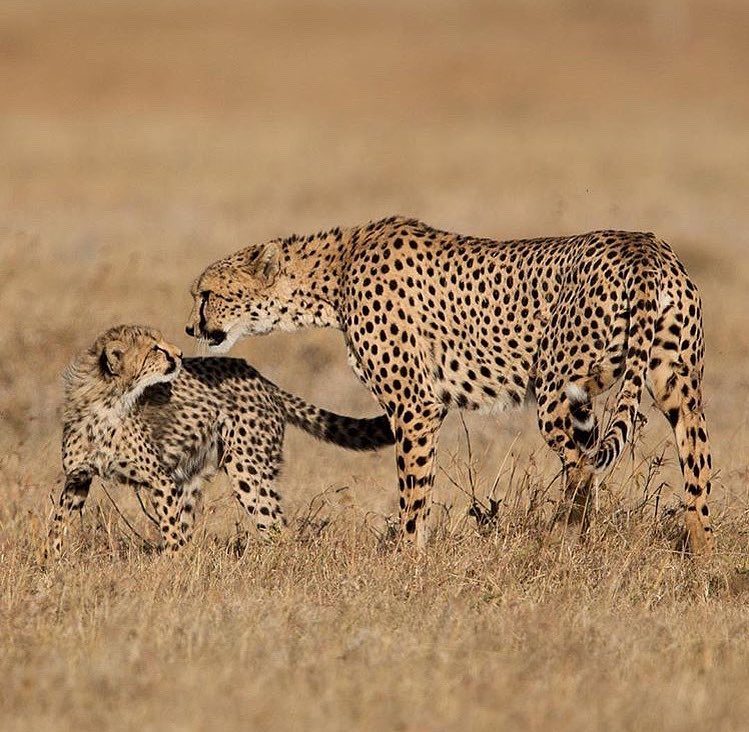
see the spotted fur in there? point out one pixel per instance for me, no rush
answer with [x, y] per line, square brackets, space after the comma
[434, 320]
[137, 412]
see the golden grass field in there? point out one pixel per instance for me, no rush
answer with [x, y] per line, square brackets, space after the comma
[140, 140]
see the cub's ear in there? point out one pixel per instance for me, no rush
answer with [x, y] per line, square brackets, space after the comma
[264, 262]
[110, 360]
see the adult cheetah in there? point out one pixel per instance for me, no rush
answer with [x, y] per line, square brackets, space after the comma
[137, 412]
[434, 320]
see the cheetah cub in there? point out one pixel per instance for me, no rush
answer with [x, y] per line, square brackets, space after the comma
[137, 412]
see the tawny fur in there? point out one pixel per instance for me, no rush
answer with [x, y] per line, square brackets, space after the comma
[137, 412]
[434, 320]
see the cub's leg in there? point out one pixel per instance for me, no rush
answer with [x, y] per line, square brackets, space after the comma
[258, 496]
[191, 497]
[167, 501]
[252, 469]
[72, 498]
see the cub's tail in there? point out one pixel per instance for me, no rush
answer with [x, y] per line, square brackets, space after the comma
[348, 432]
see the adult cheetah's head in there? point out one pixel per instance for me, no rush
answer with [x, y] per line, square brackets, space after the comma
[240, 295]
[122, 363]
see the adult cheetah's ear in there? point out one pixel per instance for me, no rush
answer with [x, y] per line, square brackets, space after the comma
[110, 360]
[264, 262]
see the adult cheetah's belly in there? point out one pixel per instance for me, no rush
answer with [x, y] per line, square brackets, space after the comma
[485, 395]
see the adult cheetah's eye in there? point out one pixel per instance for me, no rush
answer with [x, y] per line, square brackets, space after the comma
[204, 294]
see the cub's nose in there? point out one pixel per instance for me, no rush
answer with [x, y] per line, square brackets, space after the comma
[190, 330]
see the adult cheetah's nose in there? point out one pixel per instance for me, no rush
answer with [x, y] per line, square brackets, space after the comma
[190, 331]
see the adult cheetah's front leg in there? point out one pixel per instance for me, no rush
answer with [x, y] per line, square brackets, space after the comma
[416, 431]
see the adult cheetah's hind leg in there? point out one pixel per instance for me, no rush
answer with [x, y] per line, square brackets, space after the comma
[569, 427]
[676, 385]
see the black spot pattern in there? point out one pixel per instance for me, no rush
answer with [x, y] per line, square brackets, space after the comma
[218, 413]
[434, 320]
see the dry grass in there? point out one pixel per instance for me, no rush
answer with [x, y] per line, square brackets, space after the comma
[141, 140]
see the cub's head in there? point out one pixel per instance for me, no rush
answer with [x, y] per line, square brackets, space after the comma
[123, 362]
[240, 295]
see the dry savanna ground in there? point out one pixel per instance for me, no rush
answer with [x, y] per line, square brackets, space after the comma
[141, 140]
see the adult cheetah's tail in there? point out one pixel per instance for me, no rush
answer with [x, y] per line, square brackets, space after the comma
[643, 285]
[349, 432]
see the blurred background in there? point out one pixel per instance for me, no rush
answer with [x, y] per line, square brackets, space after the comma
[139, 141]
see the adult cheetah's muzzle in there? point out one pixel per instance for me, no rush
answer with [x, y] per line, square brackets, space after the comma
[214, 337]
